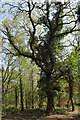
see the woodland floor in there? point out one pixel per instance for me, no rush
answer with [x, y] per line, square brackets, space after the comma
[39, 115]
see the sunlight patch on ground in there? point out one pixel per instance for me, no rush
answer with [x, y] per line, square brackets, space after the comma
[68, 116]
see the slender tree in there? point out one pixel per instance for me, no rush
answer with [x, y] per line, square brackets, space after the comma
[32, 88]
[70, 81]
[16, 97]
[21, 87]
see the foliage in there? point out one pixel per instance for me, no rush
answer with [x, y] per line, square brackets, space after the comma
[36, 31]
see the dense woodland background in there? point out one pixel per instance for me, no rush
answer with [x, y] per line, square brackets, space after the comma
[41, 57]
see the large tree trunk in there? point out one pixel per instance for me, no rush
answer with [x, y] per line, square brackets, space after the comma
[50, 103]
[50, 96]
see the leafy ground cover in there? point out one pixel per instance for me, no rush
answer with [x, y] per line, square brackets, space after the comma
[40, 115]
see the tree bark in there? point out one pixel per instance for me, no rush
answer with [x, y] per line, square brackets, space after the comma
[26, 103]
[21, 88]
[32, 89]
[40, 102]
[70, 90]
[50, 104]
[50, 95]
[21, 94]
[16, 96]
[59, 100]
[68, 103]
[72, 104]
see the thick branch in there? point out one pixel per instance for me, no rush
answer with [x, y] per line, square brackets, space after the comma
[10, 38]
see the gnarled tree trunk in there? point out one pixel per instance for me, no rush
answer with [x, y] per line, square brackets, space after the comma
[50, 103]
[50, 96]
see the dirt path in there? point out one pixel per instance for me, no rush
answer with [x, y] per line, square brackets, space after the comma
[68, 116]
[32, 116]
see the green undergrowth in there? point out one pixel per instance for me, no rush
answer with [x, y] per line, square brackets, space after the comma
[33, 113]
